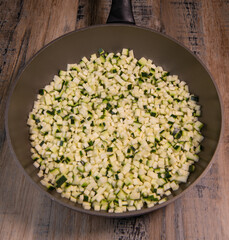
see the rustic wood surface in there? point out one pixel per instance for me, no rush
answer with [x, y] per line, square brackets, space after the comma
[25, 213]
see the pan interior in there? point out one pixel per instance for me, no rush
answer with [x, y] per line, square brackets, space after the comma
[112, 38]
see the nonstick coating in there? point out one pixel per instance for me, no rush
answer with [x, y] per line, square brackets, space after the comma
[71, 48]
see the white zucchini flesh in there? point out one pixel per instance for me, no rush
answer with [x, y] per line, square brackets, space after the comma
[115, 133]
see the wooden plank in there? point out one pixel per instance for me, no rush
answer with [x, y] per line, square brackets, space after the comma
[91, 14]
[194, 29]
[20, 200]
[25, 213]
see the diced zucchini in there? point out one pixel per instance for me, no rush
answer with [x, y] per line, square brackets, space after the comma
[61, 180]
[115, 133]
[121, 195]
[142, 61]
[192, 156]
[125, 51]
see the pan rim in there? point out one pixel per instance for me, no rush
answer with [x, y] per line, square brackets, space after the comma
[101, 213]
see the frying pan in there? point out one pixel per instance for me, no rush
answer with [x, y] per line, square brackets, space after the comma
[119, 33]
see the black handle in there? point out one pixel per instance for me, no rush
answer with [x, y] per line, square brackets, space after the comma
[121, 12]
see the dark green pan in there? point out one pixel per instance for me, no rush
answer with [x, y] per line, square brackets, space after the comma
[70, 48]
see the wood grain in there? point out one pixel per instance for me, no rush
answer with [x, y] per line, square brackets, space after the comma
[25, 213]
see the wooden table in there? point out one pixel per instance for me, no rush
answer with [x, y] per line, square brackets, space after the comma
[25, 213]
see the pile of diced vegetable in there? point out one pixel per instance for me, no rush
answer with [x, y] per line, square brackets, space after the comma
[115, 133]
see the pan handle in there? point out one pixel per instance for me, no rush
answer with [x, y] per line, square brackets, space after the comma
[121, 12]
